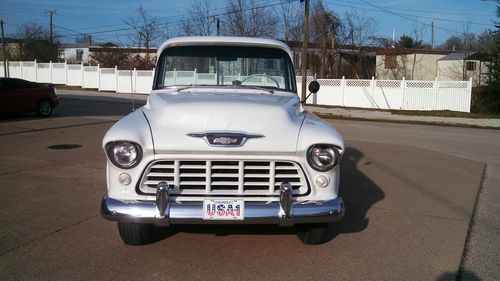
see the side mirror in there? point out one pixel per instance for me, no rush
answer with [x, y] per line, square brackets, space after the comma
[313, 87]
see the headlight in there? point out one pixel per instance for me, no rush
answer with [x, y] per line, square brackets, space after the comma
[322, 157]
[124, 154]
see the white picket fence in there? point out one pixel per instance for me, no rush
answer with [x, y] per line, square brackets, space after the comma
[376, 94]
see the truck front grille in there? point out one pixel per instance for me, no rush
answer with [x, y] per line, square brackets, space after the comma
[216, 177]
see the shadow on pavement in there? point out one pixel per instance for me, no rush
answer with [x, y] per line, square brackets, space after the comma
[356, 187]
[353, 184]
[464, 275]
[81, 106]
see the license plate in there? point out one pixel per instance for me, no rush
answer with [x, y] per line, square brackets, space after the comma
[223, 209]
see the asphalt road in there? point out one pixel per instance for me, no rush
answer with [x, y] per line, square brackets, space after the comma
[410, 192]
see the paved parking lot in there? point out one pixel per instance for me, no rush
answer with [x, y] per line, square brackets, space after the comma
[410, 192]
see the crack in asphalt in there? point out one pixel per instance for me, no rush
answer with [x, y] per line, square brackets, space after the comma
[29, 242]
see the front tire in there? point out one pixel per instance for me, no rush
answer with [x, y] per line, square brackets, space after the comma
[44, 108]
[313, 234]
[136, 233]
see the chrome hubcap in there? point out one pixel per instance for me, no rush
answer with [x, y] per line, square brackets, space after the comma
[45, 107]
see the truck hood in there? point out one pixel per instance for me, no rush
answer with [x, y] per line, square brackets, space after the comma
[174, 116]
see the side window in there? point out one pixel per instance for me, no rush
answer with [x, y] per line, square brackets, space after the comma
[15, 84]
[26, 85]
[79, 54]
[5, 86]
[390, 62]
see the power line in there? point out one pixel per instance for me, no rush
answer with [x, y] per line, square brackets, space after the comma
[428, 11]
[184, 20]
[405, 17]
[409, 15]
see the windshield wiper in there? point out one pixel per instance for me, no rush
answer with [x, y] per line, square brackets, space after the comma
[271, 91]
[192, 86]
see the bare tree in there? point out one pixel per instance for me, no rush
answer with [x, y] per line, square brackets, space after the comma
[83, 38]
[324, 27]
[290, 19]
[358, 30]
[247, 18]
[34, 43]
[111, 57]
[147, 30]
[198, 22]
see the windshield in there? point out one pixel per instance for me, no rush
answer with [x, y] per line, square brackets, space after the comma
[225, 66]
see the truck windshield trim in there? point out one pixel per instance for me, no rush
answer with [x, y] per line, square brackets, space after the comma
[262, 67]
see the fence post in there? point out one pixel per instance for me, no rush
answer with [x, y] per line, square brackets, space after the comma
[134, 85]
[66, 72]
[195, 76]
[50, 71]
[98, 77]
[469, 88]
[342, 84]
[21, 65]
[83, 75]
[403, 85]
[175, 76]
[36, 71]
[436, 89]
[116, 79]
[373, 90]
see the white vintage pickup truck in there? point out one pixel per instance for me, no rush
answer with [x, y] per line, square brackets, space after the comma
[223, 139]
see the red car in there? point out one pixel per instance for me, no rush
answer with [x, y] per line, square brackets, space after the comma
[19, 96]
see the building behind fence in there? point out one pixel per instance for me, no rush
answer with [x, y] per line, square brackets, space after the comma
[377, 94]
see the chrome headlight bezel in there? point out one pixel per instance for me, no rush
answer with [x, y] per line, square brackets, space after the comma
[111, 153]
[315, 163]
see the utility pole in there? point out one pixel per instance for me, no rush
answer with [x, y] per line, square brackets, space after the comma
[218, 26]
[303, 60]
[432, 40]
[217, 20]
[4, 52]
[51, 25]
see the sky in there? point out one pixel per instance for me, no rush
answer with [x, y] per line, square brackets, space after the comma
[104, 19]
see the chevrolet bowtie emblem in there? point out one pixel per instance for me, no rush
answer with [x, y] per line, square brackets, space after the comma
[225, 138]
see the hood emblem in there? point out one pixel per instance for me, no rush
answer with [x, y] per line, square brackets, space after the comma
[228, 139]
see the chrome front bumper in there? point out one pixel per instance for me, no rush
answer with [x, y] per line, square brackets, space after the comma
[192, 212]
[163, 211]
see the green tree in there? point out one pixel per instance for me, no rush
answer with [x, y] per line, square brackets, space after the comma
[408, 42]
[494, 51]
[487, 99]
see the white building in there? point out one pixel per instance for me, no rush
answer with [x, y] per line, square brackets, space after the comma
[74, 53]
[464, 66]
[412, 64]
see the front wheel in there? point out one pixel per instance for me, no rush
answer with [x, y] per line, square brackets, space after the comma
[136, 233]
[313, 234]
[44, 108]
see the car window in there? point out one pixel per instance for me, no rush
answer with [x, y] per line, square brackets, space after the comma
[16, 84]
[5, 85]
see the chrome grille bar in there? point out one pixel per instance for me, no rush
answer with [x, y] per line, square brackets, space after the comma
[224, 177]
[271, 176]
